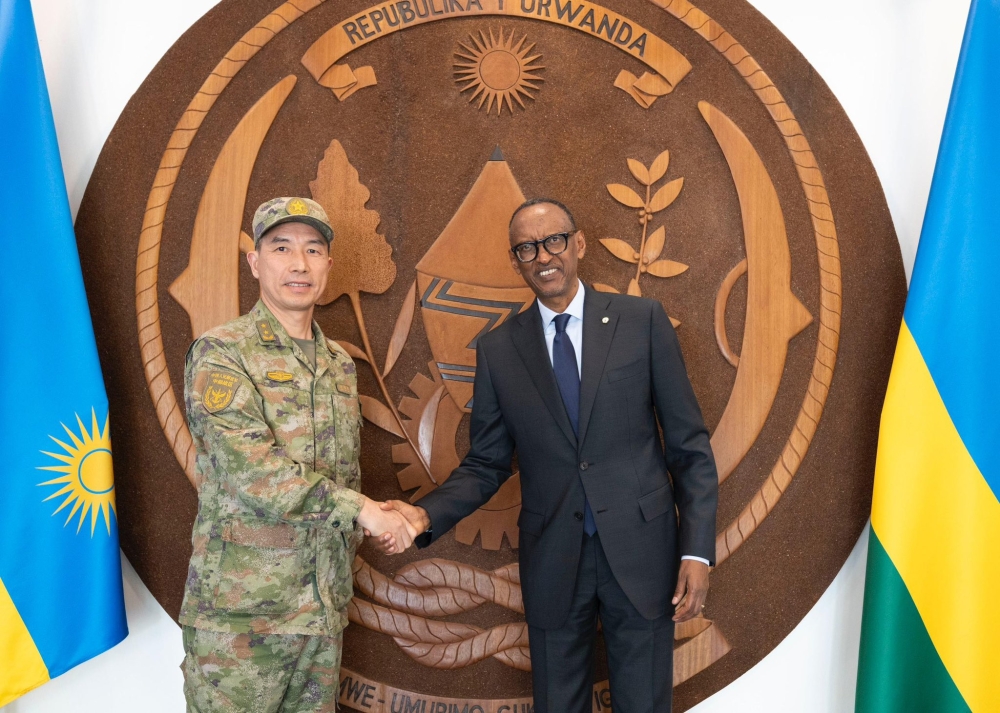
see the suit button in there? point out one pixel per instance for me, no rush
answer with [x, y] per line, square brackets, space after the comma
[583, 466]
[578, 515]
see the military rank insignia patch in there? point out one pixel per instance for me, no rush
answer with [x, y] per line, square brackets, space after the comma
[344, 389]
[265, 331]
[281, 376]
[219, 391]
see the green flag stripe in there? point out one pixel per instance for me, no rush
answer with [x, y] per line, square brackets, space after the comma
[899, 670]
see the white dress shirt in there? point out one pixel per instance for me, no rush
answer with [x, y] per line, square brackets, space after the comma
[574, 330]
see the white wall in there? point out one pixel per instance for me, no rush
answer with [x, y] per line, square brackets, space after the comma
[890, 62]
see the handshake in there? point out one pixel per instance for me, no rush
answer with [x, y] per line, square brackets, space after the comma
[392, 525]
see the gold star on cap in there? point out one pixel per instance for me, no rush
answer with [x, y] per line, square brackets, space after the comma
[297, 206]
[290, 209]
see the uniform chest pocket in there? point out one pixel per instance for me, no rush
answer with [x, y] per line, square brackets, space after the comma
[264, 568]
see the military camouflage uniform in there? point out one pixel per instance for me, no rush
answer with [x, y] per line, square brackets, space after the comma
[277, 444]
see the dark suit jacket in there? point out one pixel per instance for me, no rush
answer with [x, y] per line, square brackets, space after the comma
[633, 376]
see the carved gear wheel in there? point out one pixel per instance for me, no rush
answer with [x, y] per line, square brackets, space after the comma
[432, 422]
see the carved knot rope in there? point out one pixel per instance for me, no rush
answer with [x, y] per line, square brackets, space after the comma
[438, 587]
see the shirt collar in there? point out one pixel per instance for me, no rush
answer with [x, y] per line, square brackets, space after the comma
[575, 308]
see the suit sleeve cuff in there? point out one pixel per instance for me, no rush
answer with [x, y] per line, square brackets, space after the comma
[424, 538]
[696, 559]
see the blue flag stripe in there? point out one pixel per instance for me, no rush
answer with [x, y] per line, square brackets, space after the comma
[953, 309]
[66, 585]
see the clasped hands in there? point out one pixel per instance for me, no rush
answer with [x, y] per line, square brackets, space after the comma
[392, 525]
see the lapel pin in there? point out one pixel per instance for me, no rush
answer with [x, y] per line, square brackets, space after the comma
[604, 321]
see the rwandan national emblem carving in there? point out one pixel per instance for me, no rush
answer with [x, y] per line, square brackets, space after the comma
[695, 184]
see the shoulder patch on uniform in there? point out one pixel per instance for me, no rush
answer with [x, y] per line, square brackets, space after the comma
[344, 389]
[265, 331]
[281, 376]
[220, 390]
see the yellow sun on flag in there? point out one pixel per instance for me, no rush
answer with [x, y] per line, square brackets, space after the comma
[89, 482]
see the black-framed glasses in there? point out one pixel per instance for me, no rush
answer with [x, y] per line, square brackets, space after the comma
[553, 244]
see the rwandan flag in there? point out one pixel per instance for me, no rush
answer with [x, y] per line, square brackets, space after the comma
[930, 637]
[61, 599]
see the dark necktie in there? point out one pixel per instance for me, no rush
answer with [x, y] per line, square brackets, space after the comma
[568, 379]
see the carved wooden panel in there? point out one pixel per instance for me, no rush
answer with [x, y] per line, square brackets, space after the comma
[744, 204]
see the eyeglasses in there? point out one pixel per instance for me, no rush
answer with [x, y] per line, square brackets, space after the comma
[553, 244]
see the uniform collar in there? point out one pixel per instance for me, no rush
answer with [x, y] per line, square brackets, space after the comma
[575, 308]
[271, 333]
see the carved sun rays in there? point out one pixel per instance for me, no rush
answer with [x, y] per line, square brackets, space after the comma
[497, 70]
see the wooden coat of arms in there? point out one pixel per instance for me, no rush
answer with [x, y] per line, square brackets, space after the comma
[714, 167]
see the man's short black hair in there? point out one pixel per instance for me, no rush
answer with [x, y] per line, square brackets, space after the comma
[539, 201]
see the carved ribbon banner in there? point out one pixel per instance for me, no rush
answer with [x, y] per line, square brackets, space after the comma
[363, 694]
[597, 21]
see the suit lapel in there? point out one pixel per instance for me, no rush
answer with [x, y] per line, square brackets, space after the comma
[598, 330]
[529, 340]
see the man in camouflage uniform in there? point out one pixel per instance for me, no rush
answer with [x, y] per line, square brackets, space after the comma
[273, 409]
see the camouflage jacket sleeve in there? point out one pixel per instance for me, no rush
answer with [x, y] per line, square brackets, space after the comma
[241, 448]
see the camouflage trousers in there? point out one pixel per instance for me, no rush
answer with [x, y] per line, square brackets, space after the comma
[260, 673]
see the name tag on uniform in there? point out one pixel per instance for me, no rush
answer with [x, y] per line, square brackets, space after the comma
[344, 389]
[281, 376]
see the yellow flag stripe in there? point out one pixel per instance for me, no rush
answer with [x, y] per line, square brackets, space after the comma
[21, 666]
[939, 522]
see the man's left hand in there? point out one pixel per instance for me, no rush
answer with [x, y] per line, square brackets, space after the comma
[692, 588]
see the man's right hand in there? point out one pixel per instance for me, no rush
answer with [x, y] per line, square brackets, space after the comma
[392, 532]
[415, 516]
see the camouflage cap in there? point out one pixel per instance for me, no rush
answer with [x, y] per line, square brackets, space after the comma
[290, 209]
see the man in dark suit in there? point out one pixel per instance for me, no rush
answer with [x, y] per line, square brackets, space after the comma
[613, 519]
